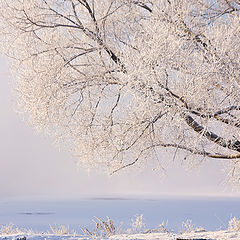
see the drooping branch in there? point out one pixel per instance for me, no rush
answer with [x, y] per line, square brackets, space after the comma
[216, 115]
[230, 144]
[177, 146]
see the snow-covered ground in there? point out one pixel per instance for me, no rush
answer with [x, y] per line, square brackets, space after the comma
[218, 235]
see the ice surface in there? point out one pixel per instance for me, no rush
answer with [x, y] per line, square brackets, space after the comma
[211, 214]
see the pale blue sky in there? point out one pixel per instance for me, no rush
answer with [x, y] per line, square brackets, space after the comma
[32, 166]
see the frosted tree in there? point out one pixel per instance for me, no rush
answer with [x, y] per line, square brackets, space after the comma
[118, 81]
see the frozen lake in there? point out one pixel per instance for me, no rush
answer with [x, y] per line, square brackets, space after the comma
[209, 213]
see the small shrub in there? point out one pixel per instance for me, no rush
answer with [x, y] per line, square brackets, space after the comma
[234, 224]
[102, 228]
[187, 227]
[60, 229]
[138, 224]
[10, 229]
[161, 228]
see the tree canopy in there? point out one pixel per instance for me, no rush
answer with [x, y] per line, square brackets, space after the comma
[120, 80]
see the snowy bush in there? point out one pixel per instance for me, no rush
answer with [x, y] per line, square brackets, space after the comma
[137, 225]
[234, 224]
[11, 229]
[60, 229]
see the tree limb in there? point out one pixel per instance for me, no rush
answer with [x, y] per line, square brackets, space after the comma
[172, 145]
[230, 144]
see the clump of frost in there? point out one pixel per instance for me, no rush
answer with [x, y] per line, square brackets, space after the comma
[11, 229]
[234, 225]
[103, 228]
[60, 229]
[189, 227]
[137, 225]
